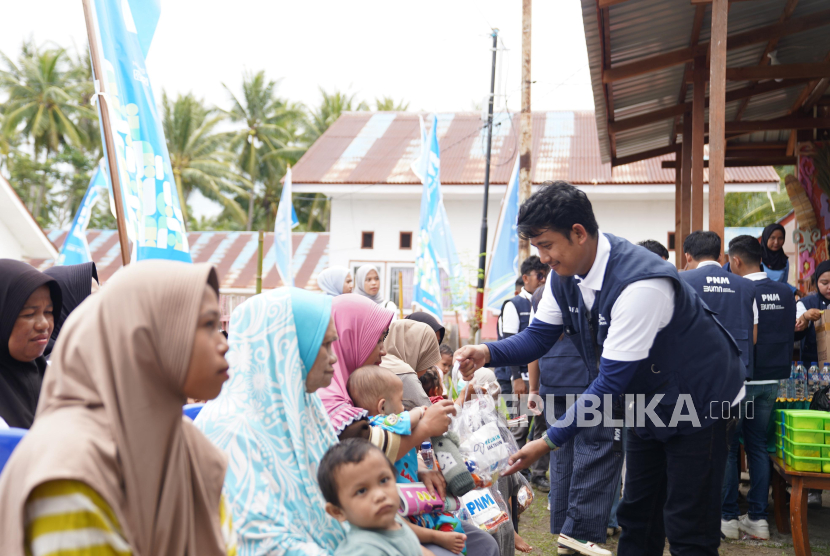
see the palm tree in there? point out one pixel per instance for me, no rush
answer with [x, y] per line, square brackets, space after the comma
[330, 108]
[388, 104]
[198, 155]
[758, 209]
[42, 98]
[268, 132]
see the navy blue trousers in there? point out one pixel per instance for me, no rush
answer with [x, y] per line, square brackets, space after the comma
[583, 478]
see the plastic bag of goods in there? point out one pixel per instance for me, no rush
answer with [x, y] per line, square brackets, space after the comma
[484, 508]
[524, 494]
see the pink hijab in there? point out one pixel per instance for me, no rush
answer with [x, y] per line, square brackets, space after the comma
[359, 322]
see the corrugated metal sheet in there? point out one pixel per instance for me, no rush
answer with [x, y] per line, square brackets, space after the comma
[565, 147]
[234, 254]
[642, 28]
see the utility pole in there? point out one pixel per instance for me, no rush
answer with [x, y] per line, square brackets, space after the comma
[526, 124]
[482, 257]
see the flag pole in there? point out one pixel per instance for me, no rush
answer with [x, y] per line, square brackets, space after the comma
[109, 143]
[259, 261]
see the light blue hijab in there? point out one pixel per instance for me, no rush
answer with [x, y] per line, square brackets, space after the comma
[274, 433]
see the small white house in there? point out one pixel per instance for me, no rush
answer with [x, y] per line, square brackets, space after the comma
[21, 237]
[362, 162]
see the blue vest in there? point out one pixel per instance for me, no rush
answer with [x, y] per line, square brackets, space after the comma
[562, 370]
[776, 319]
[809, 349]
[731, 298]
[777, 275]
[523, 307]
[677, 363]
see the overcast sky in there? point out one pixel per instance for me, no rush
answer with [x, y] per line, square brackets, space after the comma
[431, 53]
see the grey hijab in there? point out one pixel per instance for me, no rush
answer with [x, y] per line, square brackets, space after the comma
[361, 278]
[331, 280]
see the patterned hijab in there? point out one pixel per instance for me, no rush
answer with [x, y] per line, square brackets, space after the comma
[359, 324]
[274, 432]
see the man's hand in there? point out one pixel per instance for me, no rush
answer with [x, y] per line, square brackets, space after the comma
[531, 402]
[519, 387]
[525, 457]
[812, 314]
[801, 324]
[471, 358]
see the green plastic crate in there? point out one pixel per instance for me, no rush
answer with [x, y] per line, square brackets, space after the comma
[807, 419]
[807, 464]
[808, 436]
[803, 449]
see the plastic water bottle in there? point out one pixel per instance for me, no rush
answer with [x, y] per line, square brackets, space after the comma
[791, 382]
[813, 381]
[825, 375]
[799, 382]
[782, 387]
[427, 454]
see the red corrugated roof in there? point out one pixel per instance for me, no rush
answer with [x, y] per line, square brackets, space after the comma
[234, 254]
[378, 148]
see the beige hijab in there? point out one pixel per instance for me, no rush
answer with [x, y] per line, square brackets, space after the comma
[110, 416]
[410, 346]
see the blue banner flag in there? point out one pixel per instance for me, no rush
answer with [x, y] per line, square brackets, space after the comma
[283, 246]
[75, 249]
[504, 261]
[435, 222]
[151, 204]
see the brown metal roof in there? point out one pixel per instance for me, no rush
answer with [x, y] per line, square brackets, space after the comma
[379, 147]
[234, 254]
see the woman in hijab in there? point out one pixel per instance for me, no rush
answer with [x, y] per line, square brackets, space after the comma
[411, 349]
[774, 260]
[77, 282]
[29, 301]
[335, 280]
[808, 311]
[430, 321]
[110, 465]
[273, 426]
[367, 283]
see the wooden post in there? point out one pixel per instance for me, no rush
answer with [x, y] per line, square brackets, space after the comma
[400, 293]
[678, 210]
[109, 144]
[685, 187]
[526, 144]
[698, 105]
[717, 116]
[259, 254]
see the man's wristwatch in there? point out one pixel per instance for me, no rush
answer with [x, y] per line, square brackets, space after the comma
[549, 442]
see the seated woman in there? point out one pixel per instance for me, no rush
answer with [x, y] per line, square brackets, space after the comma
[77, 282]
[29, 301]
[110, 465]
[411, 348]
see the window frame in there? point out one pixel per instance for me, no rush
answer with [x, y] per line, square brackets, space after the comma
[372, 239]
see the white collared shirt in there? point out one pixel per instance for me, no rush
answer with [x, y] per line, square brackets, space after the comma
[639, 313]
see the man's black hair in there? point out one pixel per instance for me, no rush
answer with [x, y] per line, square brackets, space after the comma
[445, 349]
[747, 248]
[557, 207]
[353, 450]
[702, 245]
[655, 247]
[519, 282]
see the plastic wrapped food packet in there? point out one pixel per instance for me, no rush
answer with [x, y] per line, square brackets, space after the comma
[485, 508]
[524, 495]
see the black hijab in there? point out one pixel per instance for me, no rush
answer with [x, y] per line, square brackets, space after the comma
[773, 260]
[822, 267]
[20, 380]
[75, 282]
[430, 321]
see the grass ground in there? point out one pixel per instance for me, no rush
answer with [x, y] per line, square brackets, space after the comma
[534, 528]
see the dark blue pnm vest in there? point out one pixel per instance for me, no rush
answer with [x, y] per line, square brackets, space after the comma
[809, 349]
[523, 307]
[693, 354]
[731, 298]
[776, 320]
[562, 370]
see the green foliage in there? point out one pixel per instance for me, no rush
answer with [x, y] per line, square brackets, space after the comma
[755, 209]
[388, 104]
[330, 108]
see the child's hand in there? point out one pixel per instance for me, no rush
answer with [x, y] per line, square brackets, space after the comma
[454, 542]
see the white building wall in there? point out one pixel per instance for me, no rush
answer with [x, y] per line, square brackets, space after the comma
[10, 247]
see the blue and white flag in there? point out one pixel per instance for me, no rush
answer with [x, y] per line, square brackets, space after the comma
[151, 205]
[75, 249]
[504, 261]
[435, 222]
[283, 246]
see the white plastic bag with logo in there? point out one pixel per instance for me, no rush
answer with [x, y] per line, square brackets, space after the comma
[485, 508]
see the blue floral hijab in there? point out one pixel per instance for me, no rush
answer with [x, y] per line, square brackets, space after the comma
[274, 432]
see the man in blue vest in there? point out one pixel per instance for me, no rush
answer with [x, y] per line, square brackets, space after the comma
[515, 317]
[773, 355]
[588, 465]
[728, 295]
[651, 338]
